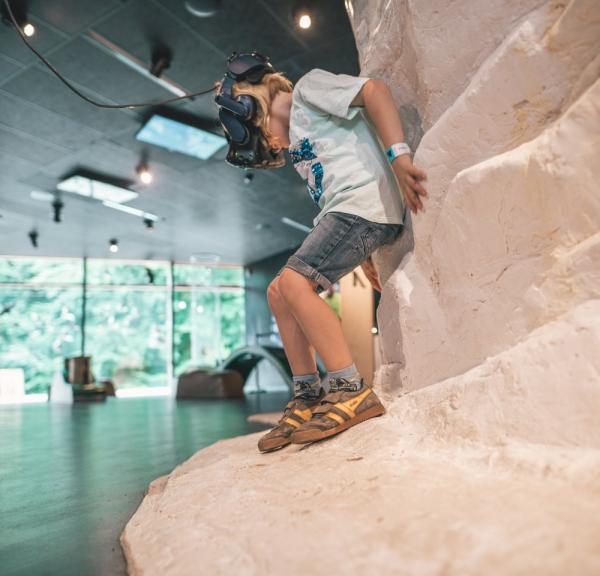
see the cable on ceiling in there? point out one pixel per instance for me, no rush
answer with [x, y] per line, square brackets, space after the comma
[83, 96]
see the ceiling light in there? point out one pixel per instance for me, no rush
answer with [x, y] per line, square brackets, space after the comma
[57, 206]
[129, 210]
[19, 11]
[144, 173]
[181, 305]
[96, 189]
[202, 8]
[41, 195]
[113, 245]
[161, 60]
[179, 137]
[304, 21]
[303, 13]
[33, 236]
[296, 225]
[374, 330]
[29, 29]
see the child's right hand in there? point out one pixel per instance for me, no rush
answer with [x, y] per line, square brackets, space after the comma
[409, 177]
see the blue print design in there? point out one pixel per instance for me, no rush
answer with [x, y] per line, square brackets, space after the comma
[303, 151]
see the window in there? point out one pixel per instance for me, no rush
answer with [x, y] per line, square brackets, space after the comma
[138, 325]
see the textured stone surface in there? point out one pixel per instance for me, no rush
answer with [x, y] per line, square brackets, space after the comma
[488, 461]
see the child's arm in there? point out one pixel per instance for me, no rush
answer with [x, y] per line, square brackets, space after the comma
[376, 97]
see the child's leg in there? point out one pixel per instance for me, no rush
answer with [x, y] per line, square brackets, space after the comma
[299, 351]
[316, 321]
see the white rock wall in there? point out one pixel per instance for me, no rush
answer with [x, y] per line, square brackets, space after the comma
[508, 96]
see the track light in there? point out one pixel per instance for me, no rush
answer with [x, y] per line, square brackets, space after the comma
[303, 13]
[57, 207]
[19, 10]
[29, 29]
[114, 245]
[161, 59]
[33, 236]
[144, 173]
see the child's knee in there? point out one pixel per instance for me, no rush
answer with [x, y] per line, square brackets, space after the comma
[273, 295]
[291, 284]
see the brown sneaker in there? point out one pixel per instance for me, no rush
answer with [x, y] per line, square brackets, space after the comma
[338, 411]
[298, 411]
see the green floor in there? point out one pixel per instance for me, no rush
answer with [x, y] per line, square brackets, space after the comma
[72, 476]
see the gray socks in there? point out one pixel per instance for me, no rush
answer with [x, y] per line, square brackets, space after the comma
[345, 379]
[307, 386]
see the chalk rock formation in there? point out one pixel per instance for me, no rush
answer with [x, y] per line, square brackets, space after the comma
[488, 461]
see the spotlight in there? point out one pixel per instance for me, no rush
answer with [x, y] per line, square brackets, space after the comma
[57, 207]
[161, 59]
[33, 236]
[144, 173]
[149, 223]
[202, 8]
[29, 29]
[303, 13]
[114, 245]
[248, 177]
[19, 11]
[304, 21]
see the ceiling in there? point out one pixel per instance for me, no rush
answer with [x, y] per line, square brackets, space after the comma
[46, 132]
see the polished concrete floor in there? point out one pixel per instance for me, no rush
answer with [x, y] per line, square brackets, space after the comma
[72, 476]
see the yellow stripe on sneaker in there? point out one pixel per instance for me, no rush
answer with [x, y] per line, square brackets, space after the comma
[292, 422]
[341, 406]
[335, 417]
[306, 415]
[353, 403]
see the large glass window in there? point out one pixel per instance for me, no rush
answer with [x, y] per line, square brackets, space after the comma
[142, 321]
[40, 313]
[209, 315]
[126, 322]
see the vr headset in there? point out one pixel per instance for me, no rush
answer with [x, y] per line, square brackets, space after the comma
[236, 113]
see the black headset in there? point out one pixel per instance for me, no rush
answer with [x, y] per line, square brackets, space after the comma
[236, 113]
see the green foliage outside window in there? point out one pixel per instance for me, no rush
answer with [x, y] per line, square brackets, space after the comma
[127, 318]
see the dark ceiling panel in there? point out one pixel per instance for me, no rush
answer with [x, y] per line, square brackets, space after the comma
[71, 16]
[44, 124]
[16, 166]
[42, 88]
[28, 148]
[8, 67]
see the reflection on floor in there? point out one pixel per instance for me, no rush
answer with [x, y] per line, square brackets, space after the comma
[72, 476]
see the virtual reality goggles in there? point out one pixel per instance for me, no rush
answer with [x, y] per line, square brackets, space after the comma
[247, 148]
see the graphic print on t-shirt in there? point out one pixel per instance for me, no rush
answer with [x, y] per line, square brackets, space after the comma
[306, 164]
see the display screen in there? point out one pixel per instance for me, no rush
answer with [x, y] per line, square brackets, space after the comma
[178, 137]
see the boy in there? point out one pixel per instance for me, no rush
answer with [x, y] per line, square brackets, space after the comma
[339, 152]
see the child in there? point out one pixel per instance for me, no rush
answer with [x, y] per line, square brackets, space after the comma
[337, 148]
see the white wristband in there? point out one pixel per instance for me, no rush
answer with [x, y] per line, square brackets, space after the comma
[396, 150]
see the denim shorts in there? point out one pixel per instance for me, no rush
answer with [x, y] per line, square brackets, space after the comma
[337, 245]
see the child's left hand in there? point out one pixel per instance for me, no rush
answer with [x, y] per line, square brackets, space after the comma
[409, 177]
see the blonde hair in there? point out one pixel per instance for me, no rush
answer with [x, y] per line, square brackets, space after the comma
[263, 93]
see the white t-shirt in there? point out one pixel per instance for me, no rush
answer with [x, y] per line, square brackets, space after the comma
[334, 147]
